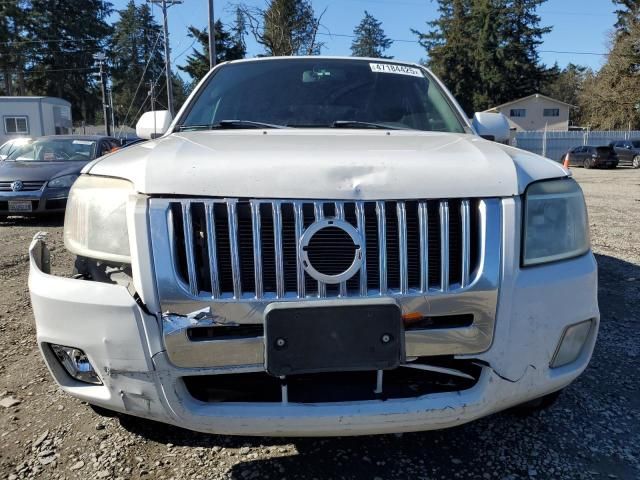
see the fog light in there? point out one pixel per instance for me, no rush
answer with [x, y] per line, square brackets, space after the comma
[76, 363]
[571, 344]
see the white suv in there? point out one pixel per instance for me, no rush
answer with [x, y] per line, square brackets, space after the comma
[319, 246]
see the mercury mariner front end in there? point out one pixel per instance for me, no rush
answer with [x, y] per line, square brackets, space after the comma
[319, 246]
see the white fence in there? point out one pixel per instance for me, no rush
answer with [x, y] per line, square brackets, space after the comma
[554, 145]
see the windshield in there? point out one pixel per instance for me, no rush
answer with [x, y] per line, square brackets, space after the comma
[55, 150]
[307, 93]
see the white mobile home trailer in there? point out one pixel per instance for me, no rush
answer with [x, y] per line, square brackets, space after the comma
[33, 117]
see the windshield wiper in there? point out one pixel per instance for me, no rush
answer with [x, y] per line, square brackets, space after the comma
[229, 124]
[357, 124]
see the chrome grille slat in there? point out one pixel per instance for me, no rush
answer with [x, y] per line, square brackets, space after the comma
[299, 218]
[318, 209]
[402, 240]
[225, 249]
[360, 216]
[423, 226]
[382, 245]
[339, 209]
[444, 245]
[277, 239]
[466, 242]
[212, 250]
[233, 245]
[257, 248]
[187, 227]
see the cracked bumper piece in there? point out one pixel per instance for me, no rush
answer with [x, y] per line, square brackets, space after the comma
[122, 343]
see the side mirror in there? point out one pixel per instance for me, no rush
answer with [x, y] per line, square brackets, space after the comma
[492, 126]
[153, 124]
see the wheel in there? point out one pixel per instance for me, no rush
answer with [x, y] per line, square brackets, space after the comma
[537, 404]
[586, 164]
[636, 162]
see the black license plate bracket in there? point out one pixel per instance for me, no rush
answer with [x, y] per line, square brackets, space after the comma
[328, 338]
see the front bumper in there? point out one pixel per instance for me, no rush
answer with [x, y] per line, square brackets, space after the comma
[44, 201]
[123, 342]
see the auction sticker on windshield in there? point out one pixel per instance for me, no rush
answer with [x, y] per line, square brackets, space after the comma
[397, 69]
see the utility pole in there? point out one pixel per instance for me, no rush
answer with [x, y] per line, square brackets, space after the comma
[101, 57]
[212, 37]
[113, 117]
[152, 95]
[165, 4]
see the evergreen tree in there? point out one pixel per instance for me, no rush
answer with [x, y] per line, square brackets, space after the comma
[486, 51]
[449, 46]
[65, 66]
[488, 57]
[180, 91]
[137, 59]
[370, 39]
[13, 18]
[566, 83]
[229, 46]
[628, 13]
[285, 27]
[610, 99]
[523, 73]
[239, 30]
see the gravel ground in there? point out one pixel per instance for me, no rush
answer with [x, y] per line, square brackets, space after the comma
[592, 432]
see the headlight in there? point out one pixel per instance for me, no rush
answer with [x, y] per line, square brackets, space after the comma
[62, 182]
[555, 222]
[95, 224]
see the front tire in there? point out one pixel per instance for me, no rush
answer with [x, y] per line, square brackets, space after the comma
[636, 162]
[587, 164]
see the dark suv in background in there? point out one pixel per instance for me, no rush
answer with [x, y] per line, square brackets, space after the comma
[592, 157]
[628, 152]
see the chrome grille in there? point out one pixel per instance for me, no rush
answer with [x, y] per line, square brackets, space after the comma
[26, 186]
[250, 249]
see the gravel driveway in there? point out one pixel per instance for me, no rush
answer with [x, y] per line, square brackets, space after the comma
[593, 431]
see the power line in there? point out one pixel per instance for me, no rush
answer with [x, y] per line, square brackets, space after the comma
[165, 4]
[47, 70]
[573, 53]
[153, 49]
[51, 40]
[153, 85]
[401, 40]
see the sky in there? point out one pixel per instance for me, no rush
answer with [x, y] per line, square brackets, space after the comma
[580, 27]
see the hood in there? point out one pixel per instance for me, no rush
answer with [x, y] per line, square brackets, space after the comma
[326, 164]
[37, 171]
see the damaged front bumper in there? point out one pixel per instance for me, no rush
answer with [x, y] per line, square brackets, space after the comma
[124, 344]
